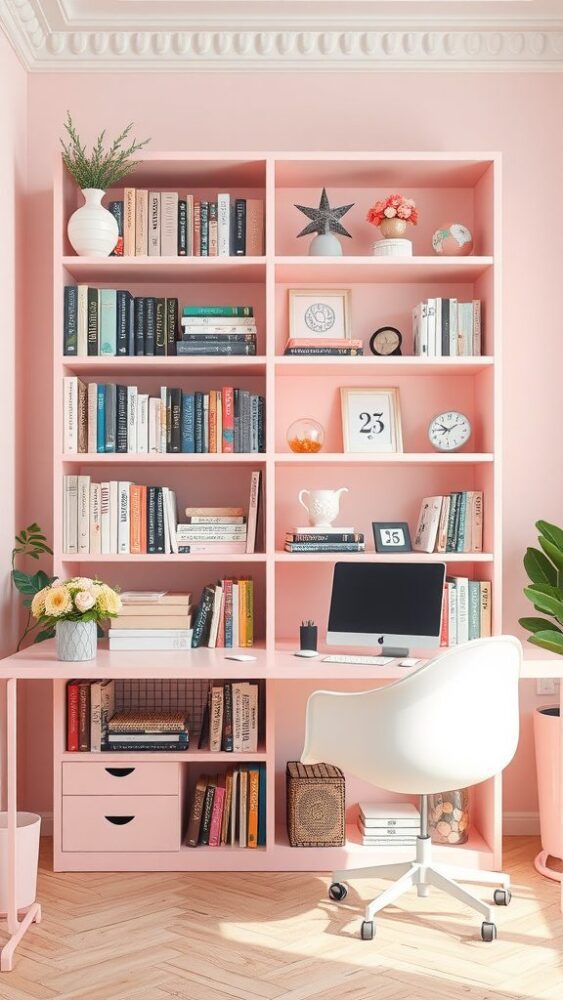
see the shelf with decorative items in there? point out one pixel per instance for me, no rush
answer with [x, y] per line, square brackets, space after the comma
[304, 408]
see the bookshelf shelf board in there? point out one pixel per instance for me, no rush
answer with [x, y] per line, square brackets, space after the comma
[387, 557]
[373, 366]
[178, 364]
[475, 853]
[165, 269]
[183, 756]
[195, 557]
[403, 458]
[359, 270]
[180, 458]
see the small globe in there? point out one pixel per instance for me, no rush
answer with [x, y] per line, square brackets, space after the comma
[453, 240]
[305, 436]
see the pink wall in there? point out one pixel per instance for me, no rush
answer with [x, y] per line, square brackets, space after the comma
[510, 113]
[13, 166]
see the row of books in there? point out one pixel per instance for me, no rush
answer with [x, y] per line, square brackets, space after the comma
[324, 539]
[103, 417]
[147, 730]
[230, 718]
[466, 610]
[124, 518]
[112, 322]
[155, 620]
[229, 809]
[225, 615]
[452, 523]
[172, 224]
[447, 328]
[388, 824]
[322, 346]
[221, 330]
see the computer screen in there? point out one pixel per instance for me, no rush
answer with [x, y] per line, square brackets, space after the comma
[386, 605]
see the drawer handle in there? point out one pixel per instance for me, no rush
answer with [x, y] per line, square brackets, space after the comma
[119, 820]
[119, 772]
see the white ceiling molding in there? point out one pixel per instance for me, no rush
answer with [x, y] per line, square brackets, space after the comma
[183, 35]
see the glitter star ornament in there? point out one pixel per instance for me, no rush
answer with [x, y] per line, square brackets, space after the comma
[325, 221]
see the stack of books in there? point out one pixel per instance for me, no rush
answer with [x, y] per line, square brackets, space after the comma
[147, 730]
[113, 322]
[221, 530]
[230, 718]
[118, 418]
[229, 809]
[466, 610]
[324, 539]
[221, 330]
[152, 620]
[173, 224]
[89, 707]
[319, 346]
[388, 824]
[392, 248]
[117, 518]
[447, 328]
[225, 615]
[452, 523]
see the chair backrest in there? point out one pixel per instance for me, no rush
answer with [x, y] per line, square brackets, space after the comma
[453, 722]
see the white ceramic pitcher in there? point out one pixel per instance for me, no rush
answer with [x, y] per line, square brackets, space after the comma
[322, 506]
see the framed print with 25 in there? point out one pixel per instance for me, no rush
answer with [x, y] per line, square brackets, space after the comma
[371, 421]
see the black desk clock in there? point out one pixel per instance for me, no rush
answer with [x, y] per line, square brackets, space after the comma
[386, 341]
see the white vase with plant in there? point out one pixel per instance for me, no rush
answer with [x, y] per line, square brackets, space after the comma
[75, 608]
[92, 229]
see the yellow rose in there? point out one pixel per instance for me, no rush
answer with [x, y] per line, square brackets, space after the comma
[109, 602]
[38, 603]
[57, 602]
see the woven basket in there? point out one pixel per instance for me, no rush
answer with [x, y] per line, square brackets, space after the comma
[316, 814]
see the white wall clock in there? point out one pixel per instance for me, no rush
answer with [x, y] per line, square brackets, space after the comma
[449, 430]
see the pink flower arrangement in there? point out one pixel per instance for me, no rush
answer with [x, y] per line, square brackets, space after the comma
[395, 206]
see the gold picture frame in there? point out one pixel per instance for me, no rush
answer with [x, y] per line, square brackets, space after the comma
[371, 421]
[330, 318]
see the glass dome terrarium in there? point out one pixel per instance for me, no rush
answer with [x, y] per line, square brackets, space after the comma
[305, 436]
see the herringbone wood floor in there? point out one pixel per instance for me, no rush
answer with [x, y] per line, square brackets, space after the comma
[277, 937]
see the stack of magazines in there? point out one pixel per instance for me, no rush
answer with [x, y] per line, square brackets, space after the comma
[147, 730]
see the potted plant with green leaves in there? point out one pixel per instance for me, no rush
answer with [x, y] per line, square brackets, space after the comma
[92, 229]
[544, 567]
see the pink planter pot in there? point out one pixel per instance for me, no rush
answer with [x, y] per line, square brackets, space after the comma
[546, 737]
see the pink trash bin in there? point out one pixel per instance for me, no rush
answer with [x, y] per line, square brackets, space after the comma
[547, 741]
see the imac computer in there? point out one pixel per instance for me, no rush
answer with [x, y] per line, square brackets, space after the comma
[391, 607]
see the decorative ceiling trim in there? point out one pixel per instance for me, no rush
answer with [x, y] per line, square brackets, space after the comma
[302, 47]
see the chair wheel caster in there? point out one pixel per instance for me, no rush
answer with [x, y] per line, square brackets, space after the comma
[367, 930]
[488, 931]
[337, 892]
[502, 897]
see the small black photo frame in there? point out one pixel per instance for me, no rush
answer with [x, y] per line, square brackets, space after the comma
[391, 536]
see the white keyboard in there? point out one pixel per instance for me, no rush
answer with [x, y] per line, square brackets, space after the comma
[375, 661]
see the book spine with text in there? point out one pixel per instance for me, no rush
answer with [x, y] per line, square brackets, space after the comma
[129, 208]
[154, 224]
[70, 324]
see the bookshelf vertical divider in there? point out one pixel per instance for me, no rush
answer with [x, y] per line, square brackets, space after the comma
[448, 187]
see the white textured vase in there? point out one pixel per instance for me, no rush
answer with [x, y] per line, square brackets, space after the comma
[76, 640]
[92, 230]
[323, 506]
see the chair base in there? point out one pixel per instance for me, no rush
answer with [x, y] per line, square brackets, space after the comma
[423, 874]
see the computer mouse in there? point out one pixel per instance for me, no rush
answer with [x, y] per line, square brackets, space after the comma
[306, 652]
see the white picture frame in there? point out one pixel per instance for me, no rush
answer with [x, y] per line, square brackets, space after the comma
[371, 421]
[319, 313]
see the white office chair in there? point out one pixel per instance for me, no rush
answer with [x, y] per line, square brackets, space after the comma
[452, 723]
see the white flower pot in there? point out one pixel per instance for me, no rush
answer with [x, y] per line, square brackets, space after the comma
[92, 230]
[76, 640]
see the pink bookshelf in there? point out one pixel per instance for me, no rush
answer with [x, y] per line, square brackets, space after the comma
[290, 587]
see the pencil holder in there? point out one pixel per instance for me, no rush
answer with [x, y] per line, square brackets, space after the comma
[308, 637]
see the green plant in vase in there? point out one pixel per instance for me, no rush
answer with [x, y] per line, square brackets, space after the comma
[31, 542]
[545, 569]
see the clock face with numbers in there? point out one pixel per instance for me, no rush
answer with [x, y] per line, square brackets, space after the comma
[449, 431]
